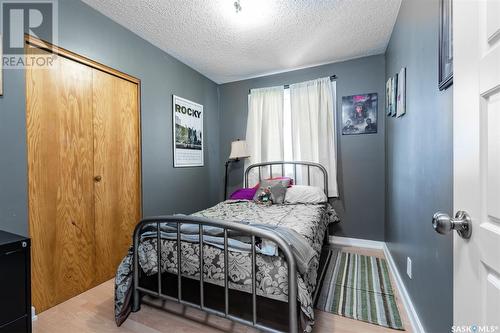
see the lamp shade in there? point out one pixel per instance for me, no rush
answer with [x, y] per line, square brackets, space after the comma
[238, 150]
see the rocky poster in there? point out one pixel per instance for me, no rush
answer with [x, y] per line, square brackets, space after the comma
[188, 133]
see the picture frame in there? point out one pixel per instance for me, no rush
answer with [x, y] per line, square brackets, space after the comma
[394, 95]
[401, 93]
[1, 65]
[188, 133]
[388, 92]
[359, 114]
[445, 47]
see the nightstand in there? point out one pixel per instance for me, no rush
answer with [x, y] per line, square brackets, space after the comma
[15, 284]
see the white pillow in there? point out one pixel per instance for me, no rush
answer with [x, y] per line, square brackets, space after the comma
[305, 195]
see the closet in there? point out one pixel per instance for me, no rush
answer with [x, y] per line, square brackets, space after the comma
[84, 173]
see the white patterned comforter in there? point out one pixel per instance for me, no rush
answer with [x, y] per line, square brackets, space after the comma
[309, 220]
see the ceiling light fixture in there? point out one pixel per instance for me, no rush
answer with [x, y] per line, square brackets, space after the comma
[237, 6]
[246, 15]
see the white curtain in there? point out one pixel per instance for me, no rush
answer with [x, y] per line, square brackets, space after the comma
[313, 109]
[264, 128]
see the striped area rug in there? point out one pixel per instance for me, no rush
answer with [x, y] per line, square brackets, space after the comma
[358, 287]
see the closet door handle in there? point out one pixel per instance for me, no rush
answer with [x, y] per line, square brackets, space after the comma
[73, 223]
[97, 179]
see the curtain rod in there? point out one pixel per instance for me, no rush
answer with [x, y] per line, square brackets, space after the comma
[286, 86]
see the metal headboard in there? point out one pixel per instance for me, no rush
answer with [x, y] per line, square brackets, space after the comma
[270, 165]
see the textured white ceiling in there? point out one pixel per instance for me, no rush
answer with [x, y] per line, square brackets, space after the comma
[267, 36]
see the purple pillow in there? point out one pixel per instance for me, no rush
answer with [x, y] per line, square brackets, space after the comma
[243, 194]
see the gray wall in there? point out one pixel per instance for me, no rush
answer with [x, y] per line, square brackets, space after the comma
[413, 153]
[361, 157]
[165, 189]
[419, 166]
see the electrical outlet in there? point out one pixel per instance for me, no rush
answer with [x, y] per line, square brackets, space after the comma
[408, 267]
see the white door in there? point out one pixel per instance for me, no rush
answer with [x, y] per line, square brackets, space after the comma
[476, 127]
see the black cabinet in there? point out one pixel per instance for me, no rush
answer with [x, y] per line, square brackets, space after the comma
[15, 284]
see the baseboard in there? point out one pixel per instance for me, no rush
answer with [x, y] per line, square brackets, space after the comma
[403, 293]
[345, 241]
[33, 314]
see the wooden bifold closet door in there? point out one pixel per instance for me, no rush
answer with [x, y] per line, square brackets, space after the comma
[116, 163]
[83, 144]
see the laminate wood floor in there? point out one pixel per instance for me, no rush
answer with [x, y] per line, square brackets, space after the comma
[93, 311]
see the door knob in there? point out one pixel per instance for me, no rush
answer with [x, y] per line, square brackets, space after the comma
[462, 223]
[97, 178]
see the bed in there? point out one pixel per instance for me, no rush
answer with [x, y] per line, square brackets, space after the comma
[271, 251]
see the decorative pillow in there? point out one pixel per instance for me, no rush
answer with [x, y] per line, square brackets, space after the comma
[271, 192]
[305, 195]
[284, 181]
[243, 194]
[288, 179]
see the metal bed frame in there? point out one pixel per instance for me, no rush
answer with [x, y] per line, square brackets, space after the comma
[242, 228]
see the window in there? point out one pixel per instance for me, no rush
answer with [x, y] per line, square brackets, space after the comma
[296, 123]
[287, 121]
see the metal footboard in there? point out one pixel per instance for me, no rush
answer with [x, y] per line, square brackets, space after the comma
[244, 229]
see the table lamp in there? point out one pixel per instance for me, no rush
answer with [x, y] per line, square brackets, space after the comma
[239, 151]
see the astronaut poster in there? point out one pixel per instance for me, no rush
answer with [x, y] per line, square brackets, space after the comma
[188, 133]
[359, 114]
